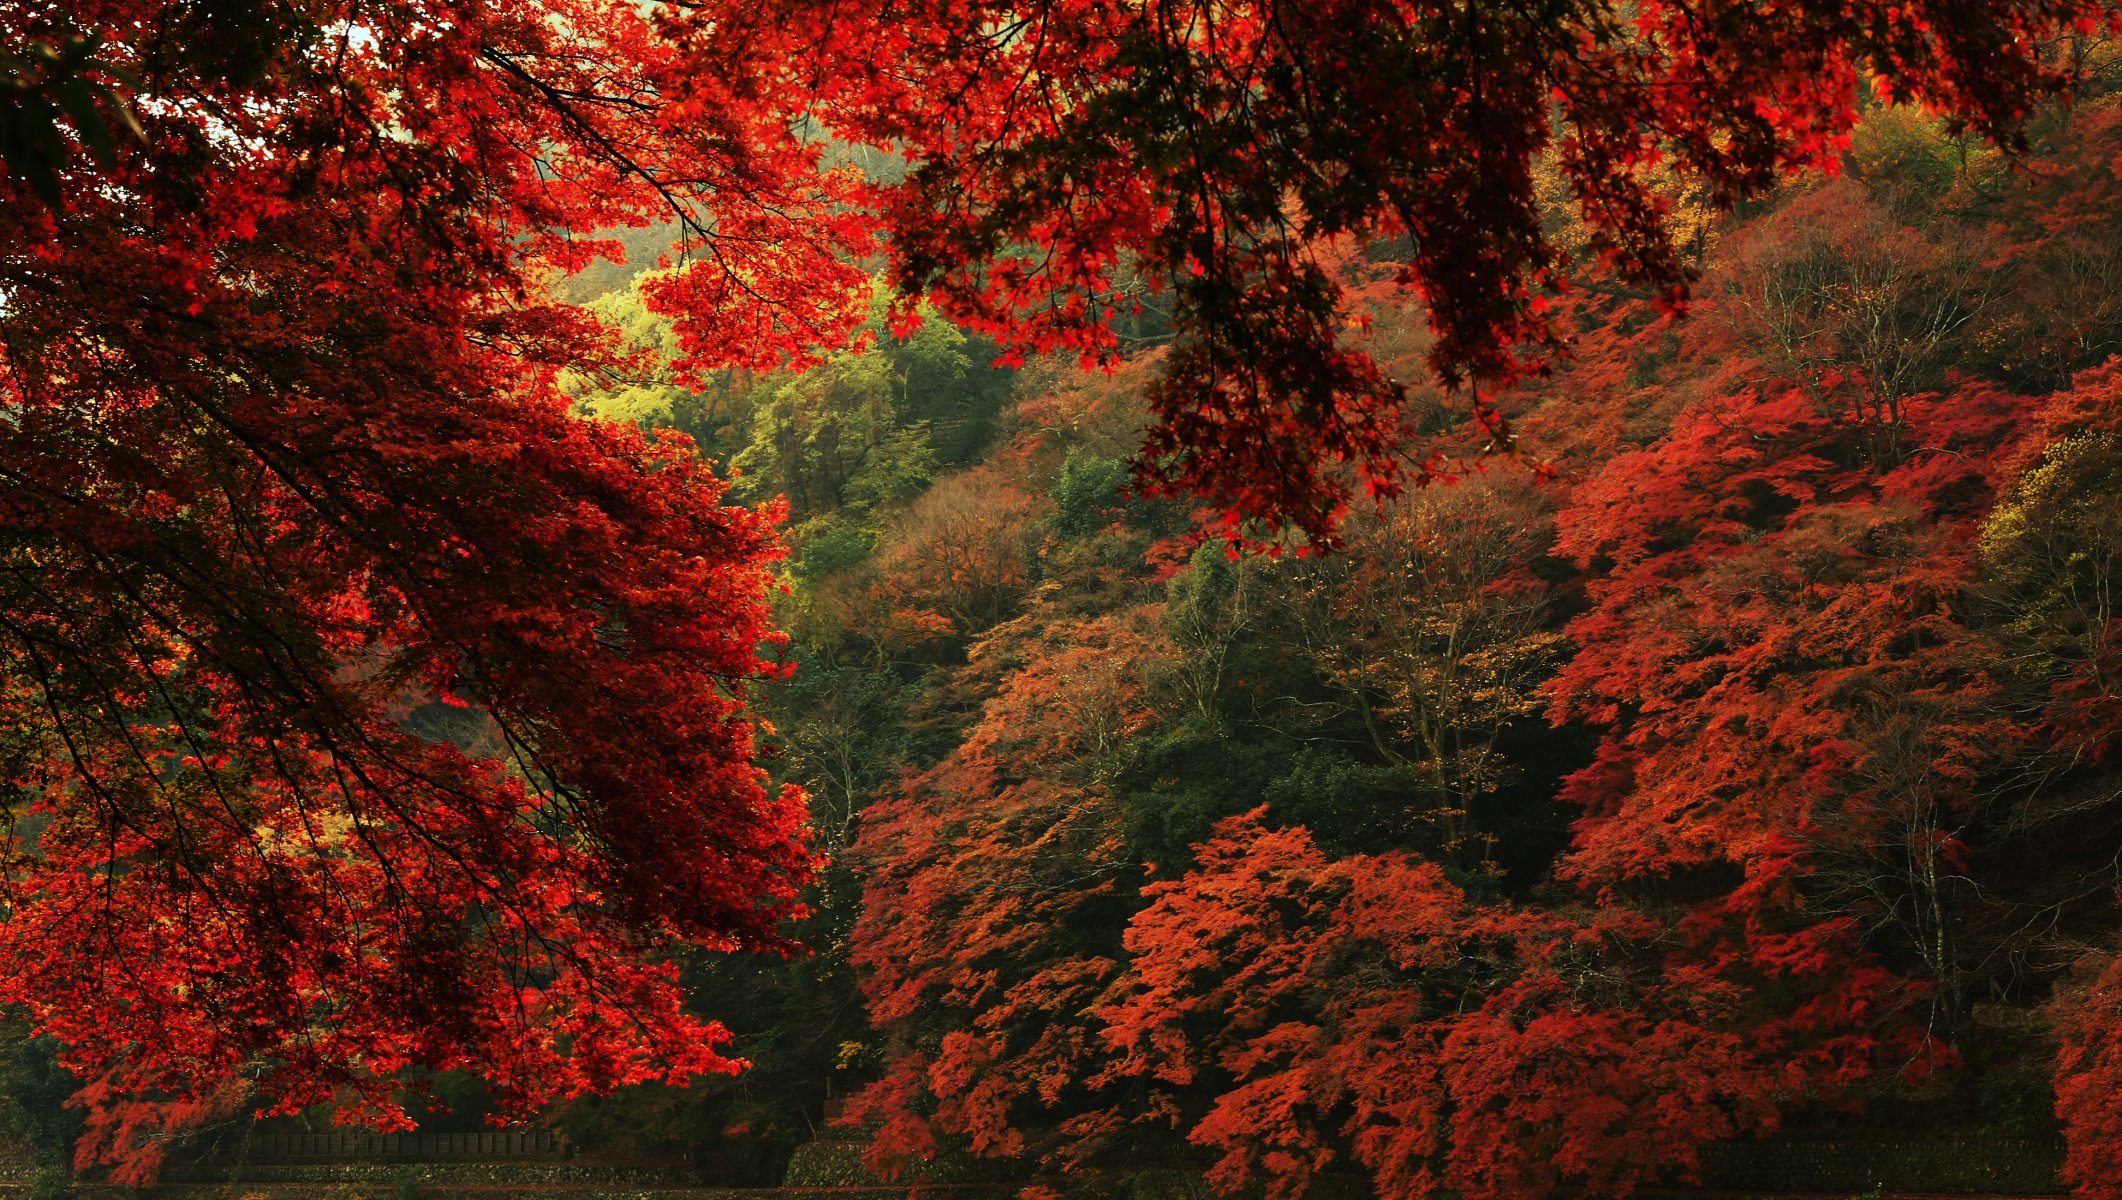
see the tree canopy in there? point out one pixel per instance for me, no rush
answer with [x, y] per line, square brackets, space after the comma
[366, 705]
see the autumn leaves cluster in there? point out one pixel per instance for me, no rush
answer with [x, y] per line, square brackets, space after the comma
[1739, 779]
[380, 648]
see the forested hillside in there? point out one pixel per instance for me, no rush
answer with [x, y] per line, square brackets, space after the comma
[1734, 756]
[1447, 598]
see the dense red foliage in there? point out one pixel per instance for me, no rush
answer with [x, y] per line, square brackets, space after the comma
[2058, 533]
[288, 475]
[994, 856]
[1061, 151]
[1366, 1003]
[1841, 629]
[362, 709]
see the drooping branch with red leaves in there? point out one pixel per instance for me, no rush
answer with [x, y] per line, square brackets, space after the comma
[1058, 151]
[363, 708]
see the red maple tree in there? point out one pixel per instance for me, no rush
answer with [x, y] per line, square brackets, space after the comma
[288, 479]
[1058, 152]
[364, 709]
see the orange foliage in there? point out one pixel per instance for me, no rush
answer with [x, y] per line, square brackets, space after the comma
[961, 557]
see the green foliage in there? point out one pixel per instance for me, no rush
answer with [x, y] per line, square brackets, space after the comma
[1212, 613]
[814, 433]
[947, 380]
[849, 444]
[829, 547]
[715, 410]
[844, 737]
[651, 399]
[1087, 494]
[867, 428]
[899, 468]
[2054, 550]
[1903, 150]
[1187, 777]
[34, 1090]
[1350, 806]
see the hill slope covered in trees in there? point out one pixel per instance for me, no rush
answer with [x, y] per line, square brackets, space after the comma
[1754, 771]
